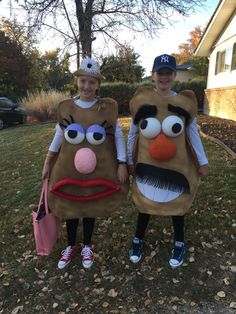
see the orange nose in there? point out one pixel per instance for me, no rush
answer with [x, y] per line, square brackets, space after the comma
[161, 148]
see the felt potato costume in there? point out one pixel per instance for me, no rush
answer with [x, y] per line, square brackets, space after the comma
[166, 177]
[83, 181]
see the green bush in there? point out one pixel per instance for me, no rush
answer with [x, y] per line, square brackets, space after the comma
[197, 85]
[123, 92]
[41, 106]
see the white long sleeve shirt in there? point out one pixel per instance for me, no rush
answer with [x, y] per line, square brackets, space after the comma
[119, 137]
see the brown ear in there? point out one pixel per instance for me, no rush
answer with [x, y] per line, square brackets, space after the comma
[191, 95]
[132, 104]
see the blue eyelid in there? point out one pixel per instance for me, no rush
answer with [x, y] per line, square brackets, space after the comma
[96, 128]
[75, 127]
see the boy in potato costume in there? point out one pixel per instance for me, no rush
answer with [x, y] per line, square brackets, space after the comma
[165, 155]
[166, 176]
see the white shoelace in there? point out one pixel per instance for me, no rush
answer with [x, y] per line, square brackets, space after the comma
[66, 253]
[87, 252]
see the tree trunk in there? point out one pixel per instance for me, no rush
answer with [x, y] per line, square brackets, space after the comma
[85, 17]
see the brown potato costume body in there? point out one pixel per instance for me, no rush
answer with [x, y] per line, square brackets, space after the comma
[83, 181]
[166, 177]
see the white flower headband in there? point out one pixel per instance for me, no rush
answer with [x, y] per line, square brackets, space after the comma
[89, 67]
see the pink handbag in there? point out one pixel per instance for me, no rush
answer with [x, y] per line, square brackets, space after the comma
[46, 225]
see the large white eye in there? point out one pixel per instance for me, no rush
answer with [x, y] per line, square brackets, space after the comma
[74, 133]
[172, 126]
[96, 134]
[150, 127]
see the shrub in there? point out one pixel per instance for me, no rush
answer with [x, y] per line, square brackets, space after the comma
[197, 85]
[41, 106]
[122, 93]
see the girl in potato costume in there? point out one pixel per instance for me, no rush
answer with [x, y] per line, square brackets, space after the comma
[163, 148]
[86, 162]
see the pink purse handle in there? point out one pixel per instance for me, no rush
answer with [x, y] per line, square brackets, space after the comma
[44, 193]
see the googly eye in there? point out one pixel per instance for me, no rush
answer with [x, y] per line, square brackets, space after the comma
[74, 133]
[96, 134]
[150, 127]
[172, 126]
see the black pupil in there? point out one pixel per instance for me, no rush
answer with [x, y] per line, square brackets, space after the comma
[97, 136]
[72, 133]
[176, 128]
[144, 124]
[89, 65]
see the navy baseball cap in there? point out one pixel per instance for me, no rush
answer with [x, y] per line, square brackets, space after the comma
[164, 61]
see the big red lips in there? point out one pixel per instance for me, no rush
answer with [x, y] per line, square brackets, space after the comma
[111, 188]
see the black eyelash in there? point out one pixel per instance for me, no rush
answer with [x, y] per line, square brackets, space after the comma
[107, 127]
[67, 122]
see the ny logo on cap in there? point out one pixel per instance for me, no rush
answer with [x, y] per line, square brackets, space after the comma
[165, 59]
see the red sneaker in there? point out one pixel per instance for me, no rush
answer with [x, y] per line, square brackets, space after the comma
[66, 256]
[87, 256]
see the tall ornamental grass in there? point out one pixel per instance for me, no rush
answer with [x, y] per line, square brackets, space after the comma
[41, 106]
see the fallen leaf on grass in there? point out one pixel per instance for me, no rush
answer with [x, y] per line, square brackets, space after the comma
[175, 280]
[221, 294]
[233, 268]
[17, 309]
[73, 306]
[147, 302]
[191, 259]
[98, 291]
[6, 284]
[232, 305]
[97, 280]
[105, 304]
[112, 293]
[226, 281]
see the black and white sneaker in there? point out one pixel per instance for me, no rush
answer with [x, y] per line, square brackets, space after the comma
[178, 254]
[135, 253]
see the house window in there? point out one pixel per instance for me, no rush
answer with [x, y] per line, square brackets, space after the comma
[226, 60]
[220, 61]
[233, 64]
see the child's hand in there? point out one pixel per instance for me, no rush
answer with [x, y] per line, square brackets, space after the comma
[48, 164]
[131, 169]
[203, 170]
[122, 173]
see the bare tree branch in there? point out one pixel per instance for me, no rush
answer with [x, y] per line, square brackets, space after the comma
[87, 17]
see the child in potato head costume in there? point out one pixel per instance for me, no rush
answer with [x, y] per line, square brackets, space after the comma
[165, 154]
[86, 162]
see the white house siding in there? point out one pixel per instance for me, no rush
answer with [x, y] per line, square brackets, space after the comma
[220, 95]
[227, 40]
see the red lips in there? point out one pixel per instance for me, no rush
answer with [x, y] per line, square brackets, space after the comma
[111, 188]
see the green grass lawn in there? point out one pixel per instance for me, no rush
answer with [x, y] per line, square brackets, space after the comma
[32, 284]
